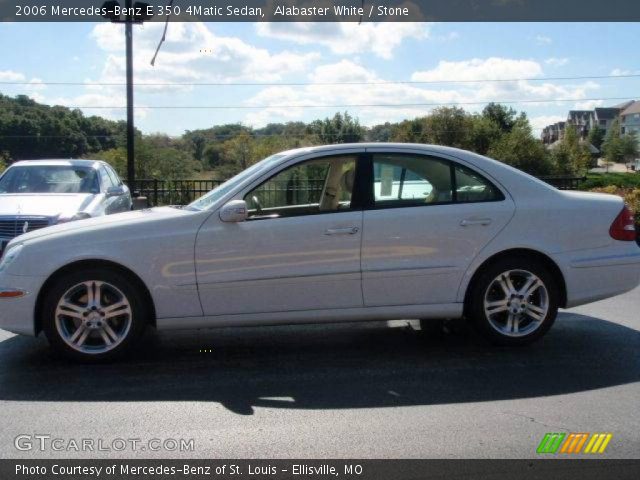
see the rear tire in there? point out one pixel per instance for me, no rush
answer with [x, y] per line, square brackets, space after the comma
[513, 301]
[94, 315]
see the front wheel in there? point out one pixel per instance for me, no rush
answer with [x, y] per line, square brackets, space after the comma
[93, 315]
[514, 301]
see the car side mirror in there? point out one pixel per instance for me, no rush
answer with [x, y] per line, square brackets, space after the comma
[115, 191]
[234, 211]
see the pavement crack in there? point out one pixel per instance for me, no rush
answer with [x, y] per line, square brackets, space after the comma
[533, 420]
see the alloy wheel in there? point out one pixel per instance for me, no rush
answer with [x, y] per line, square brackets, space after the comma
[93, 317]
[516, 303]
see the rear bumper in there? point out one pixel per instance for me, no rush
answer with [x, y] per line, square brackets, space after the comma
[17, 313]
[597, 274]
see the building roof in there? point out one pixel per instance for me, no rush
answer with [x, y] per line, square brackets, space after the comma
[607, 113]
[633, 108]
[623, 105]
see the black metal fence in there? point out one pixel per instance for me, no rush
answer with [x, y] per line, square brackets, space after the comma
[182, 192]
[563, 182]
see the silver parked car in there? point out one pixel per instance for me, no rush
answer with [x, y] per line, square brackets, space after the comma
[38, 193]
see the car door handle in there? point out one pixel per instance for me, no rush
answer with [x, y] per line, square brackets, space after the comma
[475, 221]
[342, 231]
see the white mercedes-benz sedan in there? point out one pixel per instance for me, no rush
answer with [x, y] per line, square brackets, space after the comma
[37, 193]
[327, 234]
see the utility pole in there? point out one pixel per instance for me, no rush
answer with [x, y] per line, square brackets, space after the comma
[131, 167]
[129, 19]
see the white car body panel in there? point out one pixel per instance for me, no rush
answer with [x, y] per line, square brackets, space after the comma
[203, 272]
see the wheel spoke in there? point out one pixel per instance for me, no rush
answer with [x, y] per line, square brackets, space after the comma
[504, 286]
[115, 307]
[109, 331]
[512, 323]
[537, 316]
[105, 337]
[77, 334]
[509, 283]
[496, 307]
[83, 337]
[531, 287]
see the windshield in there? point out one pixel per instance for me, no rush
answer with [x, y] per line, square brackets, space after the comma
[49, 179]
[214, 195]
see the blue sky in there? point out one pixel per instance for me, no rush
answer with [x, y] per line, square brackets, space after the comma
[314, 54]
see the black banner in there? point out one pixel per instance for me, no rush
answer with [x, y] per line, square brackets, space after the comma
[319, 469]
[322, 10]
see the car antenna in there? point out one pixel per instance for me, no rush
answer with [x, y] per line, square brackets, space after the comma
[164, 33]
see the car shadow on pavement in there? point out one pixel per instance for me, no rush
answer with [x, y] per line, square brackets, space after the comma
[330, 367]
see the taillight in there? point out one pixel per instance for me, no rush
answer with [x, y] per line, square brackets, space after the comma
[623, 227]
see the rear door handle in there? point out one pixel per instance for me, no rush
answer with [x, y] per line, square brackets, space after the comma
[475, 221]
[342, 231]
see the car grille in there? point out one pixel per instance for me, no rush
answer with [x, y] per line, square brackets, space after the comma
[11, 227]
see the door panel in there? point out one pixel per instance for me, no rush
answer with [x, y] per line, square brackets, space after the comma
[280, 264]
[429, 218]
[299, 249]
[417, 255]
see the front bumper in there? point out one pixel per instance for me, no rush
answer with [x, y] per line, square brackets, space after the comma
[17, 313]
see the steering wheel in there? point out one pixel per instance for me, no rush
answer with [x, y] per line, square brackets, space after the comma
[257, 203]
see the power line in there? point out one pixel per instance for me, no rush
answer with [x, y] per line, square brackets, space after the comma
[302, 84]
[352, 105]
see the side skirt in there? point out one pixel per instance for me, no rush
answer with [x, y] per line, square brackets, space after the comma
[435, 311]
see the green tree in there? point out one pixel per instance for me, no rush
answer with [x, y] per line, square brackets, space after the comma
[612, 145]
[504, 117]
[596, 137]
[520, 149]
[342, 128]
[578, 156]
[629, 147]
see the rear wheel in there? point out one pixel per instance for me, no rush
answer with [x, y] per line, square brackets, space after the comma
[93, 315]
[514, 301]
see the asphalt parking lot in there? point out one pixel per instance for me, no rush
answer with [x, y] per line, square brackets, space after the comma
[337, 391]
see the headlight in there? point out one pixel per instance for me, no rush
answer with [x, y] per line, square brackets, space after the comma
[10, 254]
[77, 216]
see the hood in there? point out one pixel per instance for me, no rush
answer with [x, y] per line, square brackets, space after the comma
[137, 217]
[44, 204]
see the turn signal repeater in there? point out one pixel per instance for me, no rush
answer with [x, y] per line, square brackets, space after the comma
[11, 293]
[623, 227]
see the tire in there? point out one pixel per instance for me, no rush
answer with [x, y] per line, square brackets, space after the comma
[85, 309]
[513, 301]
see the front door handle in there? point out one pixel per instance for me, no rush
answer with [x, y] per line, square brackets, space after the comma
[342, 231]
[475, 221]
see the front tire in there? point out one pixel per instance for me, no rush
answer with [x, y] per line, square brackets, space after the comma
[514, 301]
[93, 315]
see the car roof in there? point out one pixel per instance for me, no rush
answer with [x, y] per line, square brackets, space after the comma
[363, 145]
[59, 163]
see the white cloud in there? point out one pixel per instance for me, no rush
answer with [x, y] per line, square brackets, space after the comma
[493, 68]
[588, 104]
[347, 38]
[543, 40]
[408, 100]
[541, 121]
[556, 62]
[618, 72]
[11, 76]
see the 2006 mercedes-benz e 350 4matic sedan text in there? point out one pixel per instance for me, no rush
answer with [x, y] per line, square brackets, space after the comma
[327, 234]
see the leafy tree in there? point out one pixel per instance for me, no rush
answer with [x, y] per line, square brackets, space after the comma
[504, 117]
[629, 147]
[342, 128]
[612, 145]
[520, 149]
[596, 137]
[571, 155]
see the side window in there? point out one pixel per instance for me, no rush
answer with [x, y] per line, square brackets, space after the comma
[317, 186]
[105, 180]
[113, 176]
[471, 187]
[410, 180]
